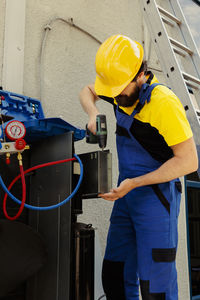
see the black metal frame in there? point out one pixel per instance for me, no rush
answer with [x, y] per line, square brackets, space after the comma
[69, 271]
[194, 185]
[49, 186]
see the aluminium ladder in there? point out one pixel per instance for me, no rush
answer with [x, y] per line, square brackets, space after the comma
[178, 55]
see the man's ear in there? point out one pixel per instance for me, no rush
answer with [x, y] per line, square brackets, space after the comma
[141, 75]
[140, 78]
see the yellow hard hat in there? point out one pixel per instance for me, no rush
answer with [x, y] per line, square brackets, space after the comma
[118, 60]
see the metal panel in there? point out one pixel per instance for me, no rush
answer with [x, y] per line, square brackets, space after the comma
[100, 179]
[8, 173]
[193, 193]
[49, 186]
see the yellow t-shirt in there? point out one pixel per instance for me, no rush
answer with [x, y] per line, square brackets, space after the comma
[165, 113]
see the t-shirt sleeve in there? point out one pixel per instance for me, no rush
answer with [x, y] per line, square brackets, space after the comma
[172, 122]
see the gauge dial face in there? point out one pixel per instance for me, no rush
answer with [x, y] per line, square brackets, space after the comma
[15, 130]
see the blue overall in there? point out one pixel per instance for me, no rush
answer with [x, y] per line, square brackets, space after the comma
[142, 238]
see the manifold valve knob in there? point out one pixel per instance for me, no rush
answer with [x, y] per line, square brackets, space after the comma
[20, 144]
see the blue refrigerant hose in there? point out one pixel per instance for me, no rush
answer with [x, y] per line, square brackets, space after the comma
[32, 207]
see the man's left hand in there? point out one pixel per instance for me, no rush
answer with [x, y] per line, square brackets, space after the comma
[116, 193]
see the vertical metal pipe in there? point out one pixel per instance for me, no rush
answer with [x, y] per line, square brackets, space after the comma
[82, 262]
[13, 60]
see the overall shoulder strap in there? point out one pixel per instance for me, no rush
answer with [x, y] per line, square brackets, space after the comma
[145, 95]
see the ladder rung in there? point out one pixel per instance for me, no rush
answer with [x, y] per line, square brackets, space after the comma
[181, 46]
[169, 15]
[167, 21]
[191, 85]
[191, 78]
[179, 52]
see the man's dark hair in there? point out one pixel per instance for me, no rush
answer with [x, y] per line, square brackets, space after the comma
[143, 68]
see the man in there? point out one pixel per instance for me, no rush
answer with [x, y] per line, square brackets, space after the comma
[155, 146]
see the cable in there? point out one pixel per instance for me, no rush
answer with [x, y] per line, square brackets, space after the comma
[32, 207]
[35, 168]
[47, 28]
[23, 198]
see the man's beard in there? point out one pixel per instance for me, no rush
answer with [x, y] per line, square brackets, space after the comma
[127, 101]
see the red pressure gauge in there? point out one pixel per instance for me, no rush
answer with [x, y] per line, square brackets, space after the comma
[15, 130]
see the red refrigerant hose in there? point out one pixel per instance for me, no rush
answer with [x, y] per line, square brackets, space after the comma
[22, 173]
[23, 197]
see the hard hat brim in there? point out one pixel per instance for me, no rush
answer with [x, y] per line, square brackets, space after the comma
[102, 89]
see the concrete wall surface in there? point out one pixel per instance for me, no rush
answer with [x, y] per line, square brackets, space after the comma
[2, 30]
[67, 65]
[59, 61]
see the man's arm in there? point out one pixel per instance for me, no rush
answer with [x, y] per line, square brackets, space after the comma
[184, 161]
[88, 98]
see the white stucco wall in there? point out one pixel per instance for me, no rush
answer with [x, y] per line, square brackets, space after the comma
[2, 19]
[68, 65]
